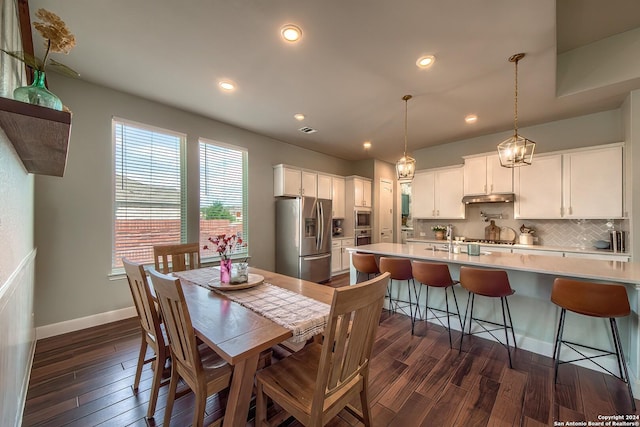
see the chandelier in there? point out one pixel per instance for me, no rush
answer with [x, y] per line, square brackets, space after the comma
[406, 166]
[516, 150]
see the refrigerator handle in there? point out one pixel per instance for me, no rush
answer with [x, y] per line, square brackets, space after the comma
[320, 240]
[312, 258]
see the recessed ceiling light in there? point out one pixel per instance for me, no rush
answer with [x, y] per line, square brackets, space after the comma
[299, 117]
[471, 118]
[227, 85]
[425, 61]
[366, 145]
[291, 33]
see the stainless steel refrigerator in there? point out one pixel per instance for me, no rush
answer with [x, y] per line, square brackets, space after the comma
[303, 238]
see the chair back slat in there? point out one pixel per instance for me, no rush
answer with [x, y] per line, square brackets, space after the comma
[149, 319]
[176, 257]
[177, 321]
[349, 336]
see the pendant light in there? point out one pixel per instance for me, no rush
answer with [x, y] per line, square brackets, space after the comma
[406, 166]
[517, 150]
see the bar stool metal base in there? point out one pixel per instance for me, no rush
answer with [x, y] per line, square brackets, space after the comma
[618, 352]
[396, 304]
[445, 313]
[500, 326]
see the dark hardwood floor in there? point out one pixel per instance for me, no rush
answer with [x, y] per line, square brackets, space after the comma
[85, 379]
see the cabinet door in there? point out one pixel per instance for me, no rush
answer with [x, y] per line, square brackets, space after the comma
[593, 183]
[324, 187]
[309, 184]
[449, 190]
[337, 190]
[539, 188]
[336, 260]
[292, 182]
[499, 179]
[366, 194]
[346, 259]
[422, 195]
[475, 176]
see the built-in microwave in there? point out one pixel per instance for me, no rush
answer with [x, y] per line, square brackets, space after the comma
[362, 218]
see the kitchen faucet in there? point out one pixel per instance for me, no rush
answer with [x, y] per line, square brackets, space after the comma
[449, 237]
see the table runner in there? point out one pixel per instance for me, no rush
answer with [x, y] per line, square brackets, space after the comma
[304, 316]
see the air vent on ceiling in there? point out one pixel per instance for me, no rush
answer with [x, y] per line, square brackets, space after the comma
[307, 129]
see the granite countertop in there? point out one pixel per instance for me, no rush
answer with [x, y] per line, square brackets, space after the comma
[612, 271]
[534, 247]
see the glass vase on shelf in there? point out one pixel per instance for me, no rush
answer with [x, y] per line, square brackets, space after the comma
[225, 270]
[37, 93]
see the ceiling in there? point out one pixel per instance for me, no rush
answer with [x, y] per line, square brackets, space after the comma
[352, 67]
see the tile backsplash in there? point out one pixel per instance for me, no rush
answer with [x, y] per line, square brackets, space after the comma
[549, 232]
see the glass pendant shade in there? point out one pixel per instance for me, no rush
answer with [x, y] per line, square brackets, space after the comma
[405, 169]
[516, 151]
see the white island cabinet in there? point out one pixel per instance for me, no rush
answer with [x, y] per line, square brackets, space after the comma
[535, 317]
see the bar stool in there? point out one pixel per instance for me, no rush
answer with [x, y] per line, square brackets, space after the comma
[400, 270]
[365, 264]
[595, 300]
[434, 275]
[492, 284]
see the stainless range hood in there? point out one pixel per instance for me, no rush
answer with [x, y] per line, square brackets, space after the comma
[490, 198]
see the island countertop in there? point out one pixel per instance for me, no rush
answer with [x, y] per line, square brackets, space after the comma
[610, 271]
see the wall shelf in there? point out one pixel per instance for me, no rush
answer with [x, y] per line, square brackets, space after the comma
[40, 135]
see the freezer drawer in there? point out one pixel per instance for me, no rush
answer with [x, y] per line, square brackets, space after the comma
[315, 268]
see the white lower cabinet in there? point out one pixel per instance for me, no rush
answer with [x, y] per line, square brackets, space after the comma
[340, 260]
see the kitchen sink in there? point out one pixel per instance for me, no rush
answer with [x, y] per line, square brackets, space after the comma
[462, 252]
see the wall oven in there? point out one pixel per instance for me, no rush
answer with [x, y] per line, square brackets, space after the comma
[363, 236]
[362, 219]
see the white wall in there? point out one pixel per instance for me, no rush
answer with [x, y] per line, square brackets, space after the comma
[74, 213]
[16, 282]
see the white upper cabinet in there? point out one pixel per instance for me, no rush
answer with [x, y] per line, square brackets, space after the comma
[538, 188]
[362, 193]
[438, 194]
[338, 201]
[484, 175]
[292, 182]
[593, 183]
[584, 184]
[324, 186]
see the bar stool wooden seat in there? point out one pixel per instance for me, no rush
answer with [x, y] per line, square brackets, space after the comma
[399, 270]
[492, 284]
[365, 264]
[434, 275]
[595, 300]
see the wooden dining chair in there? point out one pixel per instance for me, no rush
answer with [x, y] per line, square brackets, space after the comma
[152, 334]
[176, 257]
[317, 382]
[202, 370]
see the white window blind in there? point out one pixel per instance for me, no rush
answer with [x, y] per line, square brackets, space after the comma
[223, 195]
[149, 206]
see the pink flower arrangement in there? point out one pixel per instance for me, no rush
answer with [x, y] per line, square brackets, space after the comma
[224, 244]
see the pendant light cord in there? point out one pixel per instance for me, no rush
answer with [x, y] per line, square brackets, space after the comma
[515, 58]
[406, 98]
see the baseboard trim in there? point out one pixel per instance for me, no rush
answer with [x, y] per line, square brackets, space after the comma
[73, 325]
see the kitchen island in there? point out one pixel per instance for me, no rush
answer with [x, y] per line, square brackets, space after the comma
[535, 317]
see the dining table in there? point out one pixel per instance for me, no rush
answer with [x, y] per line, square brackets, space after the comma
[239, 334]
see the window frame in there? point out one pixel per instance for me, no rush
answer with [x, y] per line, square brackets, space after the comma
[115, 121]
[244, 254]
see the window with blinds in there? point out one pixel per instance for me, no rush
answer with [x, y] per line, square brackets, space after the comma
[149, 206]
[223, 196]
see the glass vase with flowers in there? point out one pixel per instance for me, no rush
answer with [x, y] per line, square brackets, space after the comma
[57, 39]
[225, 245]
